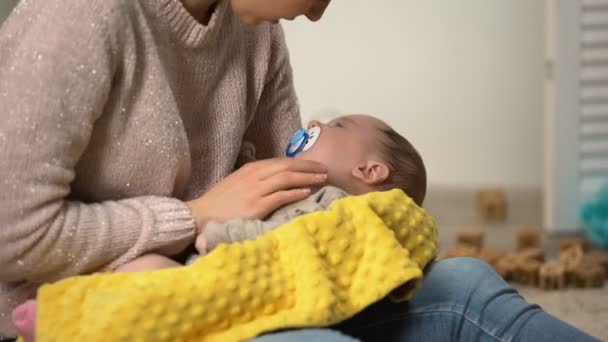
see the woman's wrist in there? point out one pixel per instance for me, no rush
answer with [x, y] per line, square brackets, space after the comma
[196, 212]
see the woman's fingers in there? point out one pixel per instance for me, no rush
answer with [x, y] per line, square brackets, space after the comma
[288, 180]
[257, 189]
[281, 198]
[270, 167]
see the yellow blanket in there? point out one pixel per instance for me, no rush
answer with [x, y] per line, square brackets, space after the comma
[317, 270]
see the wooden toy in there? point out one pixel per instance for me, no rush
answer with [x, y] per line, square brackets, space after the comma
[528, 237]
[530, 254]
[491, 255]
[506, 267]
[526, 272]
[566, 243]
[600, 259]
[471, 237]
[492, 204]
[574, 266]
[571, 259]
[552, 276]
[588, 276]
[459, 251]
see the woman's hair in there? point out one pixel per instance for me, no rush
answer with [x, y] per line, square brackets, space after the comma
[406, 168]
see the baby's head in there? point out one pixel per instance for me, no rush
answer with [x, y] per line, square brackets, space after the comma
[363, 154]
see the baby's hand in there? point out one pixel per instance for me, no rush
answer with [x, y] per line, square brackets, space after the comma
[201, 244]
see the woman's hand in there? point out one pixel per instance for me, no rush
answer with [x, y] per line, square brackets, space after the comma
[257, 189]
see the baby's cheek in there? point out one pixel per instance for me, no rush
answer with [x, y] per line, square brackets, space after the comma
[306, 155]
[311, 151]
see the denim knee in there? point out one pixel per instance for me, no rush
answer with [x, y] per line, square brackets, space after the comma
[466, 270]
[458, 283]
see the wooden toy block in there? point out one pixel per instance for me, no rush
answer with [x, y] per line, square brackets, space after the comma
[471, 237]
[506, 267]
[552, 276]
[530, 254]
[571, 258]
[492, 204]
[589, 276]
[566, 243]
[600, 259]
[528, 238]
[491, 255]
[459, 251]
[528, 263]
[591, 272]
[526, 273]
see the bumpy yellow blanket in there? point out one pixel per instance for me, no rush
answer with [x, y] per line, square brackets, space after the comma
[317, 270]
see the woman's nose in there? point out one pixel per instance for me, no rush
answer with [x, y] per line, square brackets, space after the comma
[314, 123]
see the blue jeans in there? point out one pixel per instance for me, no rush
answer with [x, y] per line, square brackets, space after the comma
[462, 299]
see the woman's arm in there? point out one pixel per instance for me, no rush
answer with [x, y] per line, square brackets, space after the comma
[278, 114]
[57, 63]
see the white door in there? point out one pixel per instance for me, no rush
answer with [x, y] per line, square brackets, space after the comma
[576, 133]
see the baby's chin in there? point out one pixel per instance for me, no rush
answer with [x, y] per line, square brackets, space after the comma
[311, 154]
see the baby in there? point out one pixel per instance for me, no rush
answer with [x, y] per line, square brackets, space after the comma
[362, 154]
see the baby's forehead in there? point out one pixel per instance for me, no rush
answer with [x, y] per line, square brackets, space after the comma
[374, 127]
[370, 128]
[365, 120]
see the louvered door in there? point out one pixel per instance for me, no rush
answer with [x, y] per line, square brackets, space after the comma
[577, 131]
[594, 96]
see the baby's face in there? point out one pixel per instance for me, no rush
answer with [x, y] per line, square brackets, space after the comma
[344, 143]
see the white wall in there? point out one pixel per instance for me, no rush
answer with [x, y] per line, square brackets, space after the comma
[462, 79]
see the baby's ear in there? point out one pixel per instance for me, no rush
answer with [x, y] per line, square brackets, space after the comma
[371, 172]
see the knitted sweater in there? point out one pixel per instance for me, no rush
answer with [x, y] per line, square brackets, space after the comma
[112, 113]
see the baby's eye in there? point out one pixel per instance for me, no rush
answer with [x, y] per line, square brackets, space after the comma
[338, 124]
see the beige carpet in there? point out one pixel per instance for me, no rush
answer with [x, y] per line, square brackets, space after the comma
[587, 309]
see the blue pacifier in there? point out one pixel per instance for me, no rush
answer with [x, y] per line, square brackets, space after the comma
[302, 140]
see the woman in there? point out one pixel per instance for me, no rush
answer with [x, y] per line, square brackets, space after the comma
[122, 122]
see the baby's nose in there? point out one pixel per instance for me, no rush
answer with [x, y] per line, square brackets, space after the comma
[314, 123]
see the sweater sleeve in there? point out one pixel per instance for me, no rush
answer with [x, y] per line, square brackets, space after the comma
[57, 62]
[277, 116]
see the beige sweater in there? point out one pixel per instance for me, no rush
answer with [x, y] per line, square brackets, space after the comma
[112, 113]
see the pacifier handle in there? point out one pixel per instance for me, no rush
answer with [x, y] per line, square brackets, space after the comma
[300, 138]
